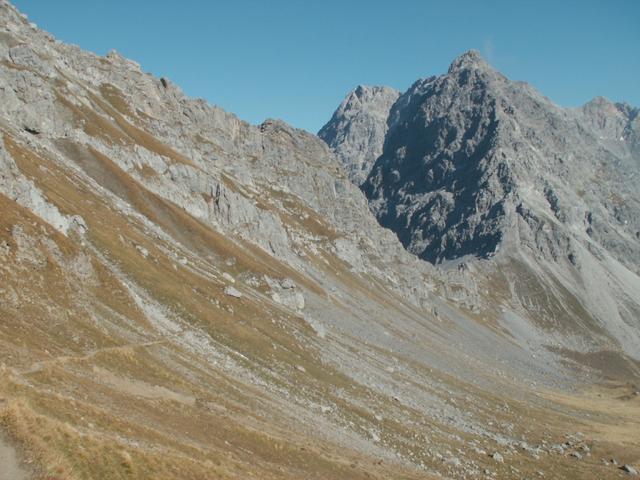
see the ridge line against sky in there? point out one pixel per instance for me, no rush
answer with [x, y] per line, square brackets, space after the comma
[297, 60]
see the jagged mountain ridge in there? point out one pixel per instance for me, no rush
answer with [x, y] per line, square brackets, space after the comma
[184, 295]
[461, 147]
[359, 127]
[475, 166]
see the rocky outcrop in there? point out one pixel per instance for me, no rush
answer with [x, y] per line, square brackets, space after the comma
[357, 130]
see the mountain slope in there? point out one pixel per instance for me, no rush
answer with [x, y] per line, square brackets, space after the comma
[463, 149]
[476, 166]
[185, 295]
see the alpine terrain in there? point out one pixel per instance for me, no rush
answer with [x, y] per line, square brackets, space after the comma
[442, 284]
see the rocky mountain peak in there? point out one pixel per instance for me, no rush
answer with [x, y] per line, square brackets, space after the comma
[359, 127]
[372, 94]
[469, 60]
[602, 106]
[470, 157]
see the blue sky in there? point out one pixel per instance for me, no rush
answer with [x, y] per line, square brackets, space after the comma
[296, 60]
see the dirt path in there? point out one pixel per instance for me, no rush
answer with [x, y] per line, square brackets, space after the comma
[9, 467]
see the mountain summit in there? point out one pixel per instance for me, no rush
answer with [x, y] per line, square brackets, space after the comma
[471, 59]
[473, 162]
[476, 169]
[359, 127]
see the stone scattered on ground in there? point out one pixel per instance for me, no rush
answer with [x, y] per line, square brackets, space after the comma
[233, 292]
[497, 457]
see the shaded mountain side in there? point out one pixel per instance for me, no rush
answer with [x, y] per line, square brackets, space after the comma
[443, 189]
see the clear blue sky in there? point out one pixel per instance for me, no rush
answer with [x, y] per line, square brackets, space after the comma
[296, 60]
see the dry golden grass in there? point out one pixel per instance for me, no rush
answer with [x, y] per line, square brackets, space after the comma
[139, 136]
[68, 383]
[78, 424]
[116, 99]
